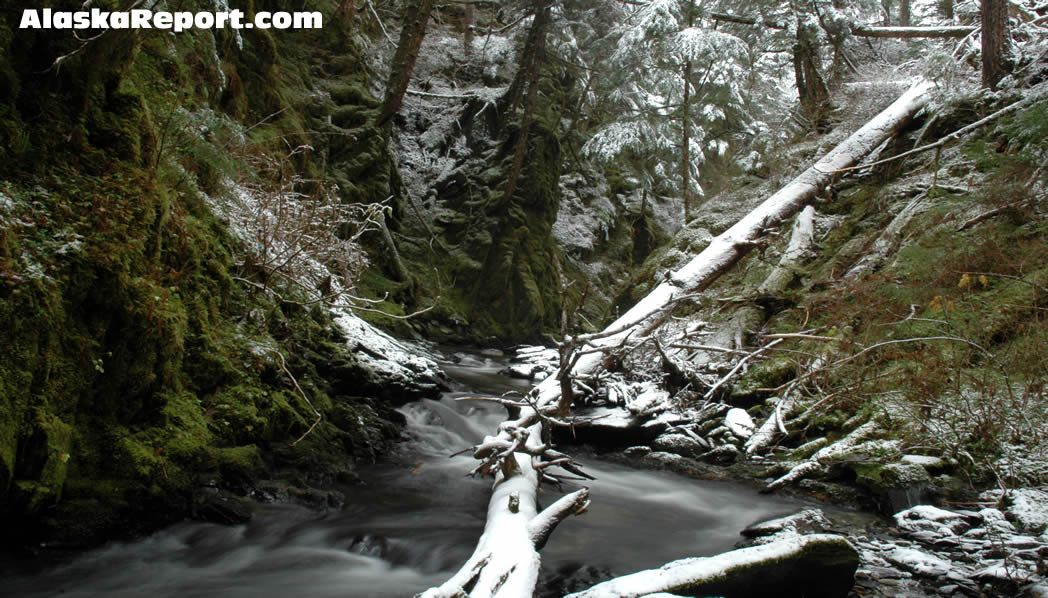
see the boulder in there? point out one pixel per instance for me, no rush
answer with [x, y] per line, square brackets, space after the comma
[806, 521]
[678, 444]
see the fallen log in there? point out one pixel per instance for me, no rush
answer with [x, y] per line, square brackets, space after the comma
[814, 566]
[505, 563]
[952, 31]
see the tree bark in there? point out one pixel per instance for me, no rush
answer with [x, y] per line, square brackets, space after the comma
[530, 56]
[685, 162]
[904, 13]
[685, 150]
[505, 562]
[416, 16]
[994, 42]
[957, 31]
[467, 31]
[946, 7]
[531, 78]
[811, 87]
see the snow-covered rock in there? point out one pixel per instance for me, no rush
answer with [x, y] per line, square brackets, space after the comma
[929, 518]
[806, 521]
[918, 562]
[932, 463]
[403, 370]
[740, 423]
[1029, 509]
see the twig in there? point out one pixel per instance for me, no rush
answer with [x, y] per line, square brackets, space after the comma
[443, 96]
[283, 366]
[374, 13]
[991, 213]
[739, 365]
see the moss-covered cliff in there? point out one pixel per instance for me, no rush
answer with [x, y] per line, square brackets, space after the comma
[137, 363]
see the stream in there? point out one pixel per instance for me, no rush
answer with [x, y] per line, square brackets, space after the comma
[413, 521]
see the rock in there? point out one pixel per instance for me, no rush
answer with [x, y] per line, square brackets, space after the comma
[637, 451]
[570, 578]
[995, 521]
[816, 566]
[896, 485]
[1028, 509]
[220, 506]
[918, 562]
[740, 423]
[803, 522]
[932, 464]
[1038, 590]
[678, 444]
[722, 455]
[649, 401]
[369, 545]
[929, 518]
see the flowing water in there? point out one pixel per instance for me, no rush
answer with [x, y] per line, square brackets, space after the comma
[413, 521]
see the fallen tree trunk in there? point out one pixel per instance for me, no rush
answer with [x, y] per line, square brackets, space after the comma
[815, 566]
[730, 246]
[953, 31]
[505, 563]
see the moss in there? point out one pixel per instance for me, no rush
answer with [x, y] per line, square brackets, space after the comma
[766, 374]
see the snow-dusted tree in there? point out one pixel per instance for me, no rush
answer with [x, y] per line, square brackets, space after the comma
[677, 77]
[994, 41]
[416, 16]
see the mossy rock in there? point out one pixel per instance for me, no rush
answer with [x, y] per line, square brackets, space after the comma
[896, 486]
[766, 374]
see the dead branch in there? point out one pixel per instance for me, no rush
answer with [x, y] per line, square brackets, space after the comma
[738, 366]
[283, 366]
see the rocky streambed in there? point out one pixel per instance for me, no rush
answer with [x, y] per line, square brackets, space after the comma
[921, 530]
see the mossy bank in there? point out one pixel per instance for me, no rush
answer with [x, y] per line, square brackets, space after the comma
[138, 364]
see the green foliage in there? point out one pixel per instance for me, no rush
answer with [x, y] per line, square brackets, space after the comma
[133, 361]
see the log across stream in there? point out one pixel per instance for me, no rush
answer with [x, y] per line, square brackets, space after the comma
[414, 521]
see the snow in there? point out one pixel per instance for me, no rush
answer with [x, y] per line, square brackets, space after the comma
[689, 572]
[1026, 507]
[740, 423]
[918, 562]
[923, 460]
[649, 400]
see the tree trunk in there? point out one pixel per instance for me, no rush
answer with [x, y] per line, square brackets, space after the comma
[957, 31]
[416, 15]
[946, 8]
[811, 87]
[994, 42]
[816, 566]
[904, 13]
[467, 31]
[531, 78]
[506, 562]
[528, 63]
[685, 162]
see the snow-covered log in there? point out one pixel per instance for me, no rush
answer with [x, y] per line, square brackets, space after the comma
[802, 239]
[730, 246]
[505, 563]
[506, 560]
[816, 565]
[889, 238]
[956, 31]
[855, 444]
